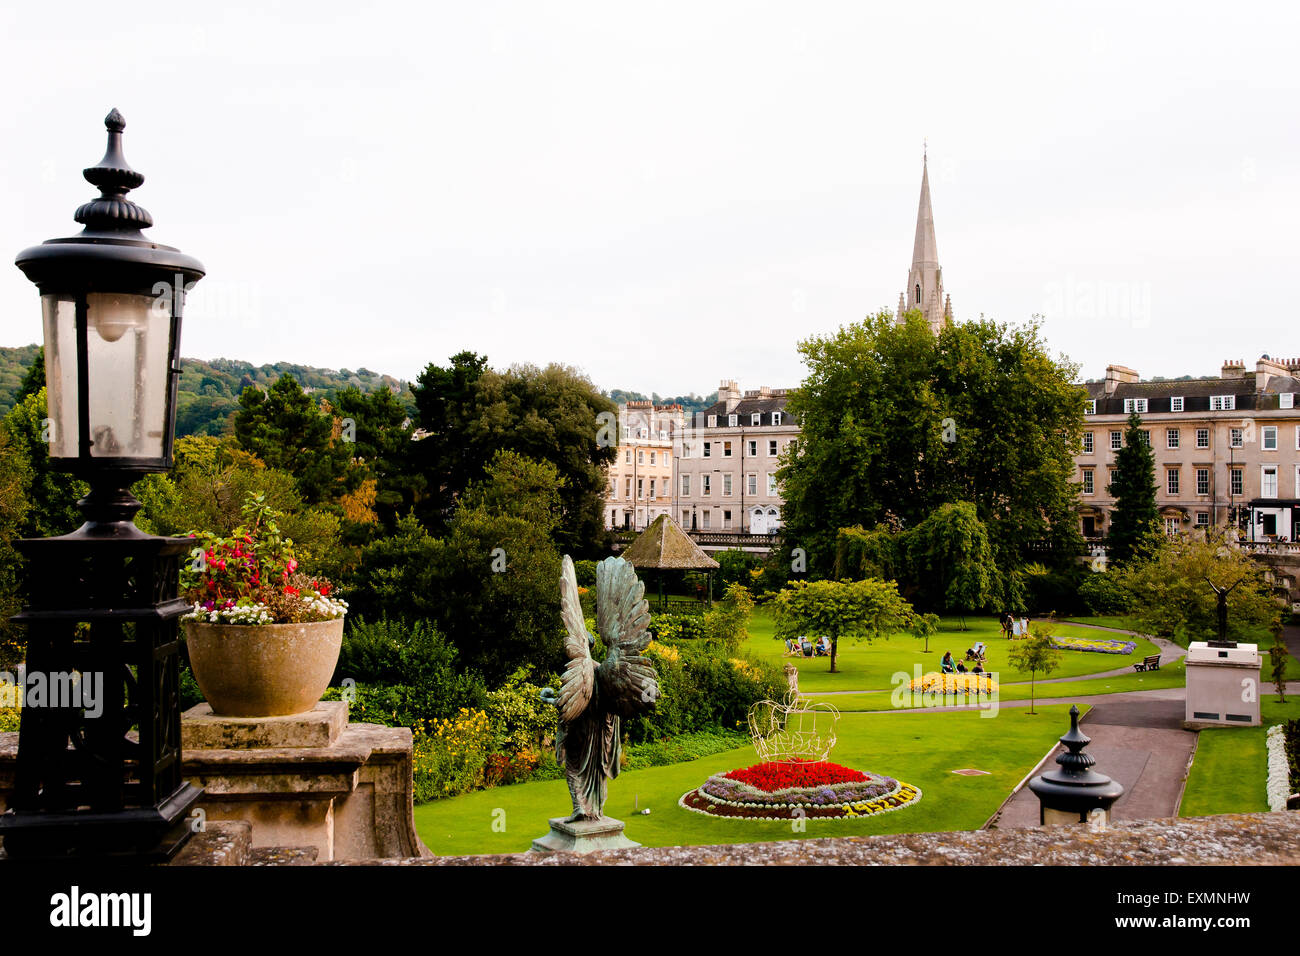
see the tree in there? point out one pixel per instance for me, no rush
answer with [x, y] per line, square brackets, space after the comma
[1134, 523]
[52, 495]
[950, 560]
[1036, 655]
[867, 609]
[897, 421]
[15, 479]
[547, 414]
[1168, 592]
[1278, 655]
[285, 428]
[380, 441]
[923, 627]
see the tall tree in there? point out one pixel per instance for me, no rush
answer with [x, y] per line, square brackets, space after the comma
[285, 428]
[379, 431]
[897, 421]
[1134, 522]
[950, 560]
[15, 480]
[547, 414]
[52, 495]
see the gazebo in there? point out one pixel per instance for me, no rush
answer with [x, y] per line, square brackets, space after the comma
[664, 546]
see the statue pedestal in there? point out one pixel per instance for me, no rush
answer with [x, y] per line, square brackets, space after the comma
[583, 836]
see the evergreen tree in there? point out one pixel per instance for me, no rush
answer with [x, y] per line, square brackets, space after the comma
[1134, 521]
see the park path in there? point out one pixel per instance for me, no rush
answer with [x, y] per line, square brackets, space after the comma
[1137, 740]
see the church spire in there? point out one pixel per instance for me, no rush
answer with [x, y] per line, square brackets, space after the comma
[924, 290]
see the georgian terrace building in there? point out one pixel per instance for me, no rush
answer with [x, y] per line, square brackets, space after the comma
[726, 462]
[1227, 449]
[641, 477]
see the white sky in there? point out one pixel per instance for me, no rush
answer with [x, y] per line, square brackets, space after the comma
[665, 195]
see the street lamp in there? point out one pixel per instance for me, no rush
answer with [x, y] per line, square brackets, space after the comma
[103, 777]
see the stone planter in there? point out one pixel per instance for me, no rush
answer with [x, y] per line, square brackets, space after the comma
[265, 670]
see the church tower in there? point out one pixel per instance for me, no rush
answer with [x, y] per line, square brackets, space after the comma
[925, 279]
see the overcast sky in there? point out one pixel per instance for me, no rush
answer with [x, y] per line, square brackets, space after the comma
[669, 194]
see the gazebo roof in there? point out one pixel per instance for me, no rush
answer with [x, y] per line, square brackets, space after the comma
[664, 545]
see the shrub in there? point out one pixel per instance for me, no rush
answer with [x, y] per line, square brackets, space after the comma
[522, 723]
[1049, 591]
[677, 627]
[729, 621]
[1101, 593]
[585, 573]
[450, 755]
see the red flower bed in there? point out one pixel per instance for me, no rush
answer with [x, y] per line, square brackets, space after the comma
[770, 777]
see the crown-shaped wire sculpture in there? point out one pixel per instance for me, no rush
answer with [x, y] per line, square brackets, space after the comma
[793, 729]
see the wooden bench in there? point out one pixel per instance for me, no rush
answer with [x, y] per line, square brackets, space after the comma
[1150, 663]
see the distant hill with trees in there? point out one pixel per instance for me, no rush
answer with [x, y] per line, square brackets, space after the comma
[209, 392]
[691, 403]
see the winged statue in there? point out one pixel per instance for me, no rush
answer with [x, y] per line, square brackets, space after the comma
[594, 698]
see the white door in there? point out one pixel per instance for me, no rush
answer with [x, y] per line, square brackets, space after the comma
[757, 522]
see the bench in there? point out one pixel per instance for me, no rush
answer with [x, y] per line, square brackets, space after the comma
[1149, 663]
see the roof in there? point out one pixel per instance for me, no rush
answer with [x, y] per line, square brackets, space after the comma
[1195, 387]
[925, 251]
[747, 407]
[664, 545]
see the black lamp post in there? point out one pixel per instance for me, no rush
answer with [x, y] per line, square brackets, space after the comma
[1070, 794]
[103, 602]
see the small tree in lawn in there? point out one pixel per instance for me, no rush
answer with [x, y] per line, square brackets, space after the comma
[1278, 655]
[1036, 655]
[858, 609]
[923, 625]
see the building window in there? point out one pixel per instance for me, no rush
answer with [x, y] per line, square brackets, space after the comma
[627, 456]
[713, 421]
[1286, 400]
[1235, 438]
[686, 518]
[652, 458]
[776, 418]
[733, 421]
[1268, 482]
[1202, 519]
[1087, 443]
[1087, 481]
[726, 449]
[1090, 407]
[1202, 438]
[756, 418]
[726, 486]
[752, 451]
[706, 485]
[705, 523]
[1116, 441]
[726, 520]
[1270, 438]
[629, 490]
[652, 488]
[686, 449]
[1171, 437]
[1176, 404]
[1110, 478]
[1171, 526]
[917, 300]
[686, 486]
[1297, 438]
[707, 448]
[1236, 483]
[771, 484]
[1146, 437]
[751, 485]
[640, 487]
[771, 444]
[640, 458]
[1171, 481]
[1223, 403]
[1202, 481]
[1138, 405]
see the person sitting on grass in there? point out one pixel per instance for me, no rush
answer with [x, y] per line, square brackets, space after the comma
[946, 665]
[961, 668]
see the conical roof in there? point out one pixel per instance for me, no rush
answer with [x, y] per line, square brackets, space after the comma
[665, 545]
[925, 251]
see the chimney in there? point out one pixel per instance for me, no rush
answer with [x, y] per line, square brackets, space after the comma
[729, 394]
[1267, 368]
[1233, 368]
[1117, 375]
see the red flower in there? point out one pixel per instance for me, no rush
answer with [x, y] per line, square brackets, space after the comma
[289, 590]
[324, 590]
[801, 773]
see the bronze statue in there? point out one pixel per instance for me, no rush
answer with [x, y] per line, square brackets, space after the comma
[593, 699]
[1222, 609]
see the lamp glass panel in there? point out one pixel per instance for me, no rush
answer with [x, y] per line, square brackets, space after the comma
[126, 348]
[60, 318]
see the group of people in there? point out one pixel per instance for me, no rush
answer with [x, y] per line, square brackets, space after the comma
[974, 654]
[1013, 627]
[795, 647]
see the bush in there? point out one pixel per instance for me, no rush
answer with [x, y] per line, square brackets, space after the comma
[1051, 591]
[522, 723]
[728, 623]
[1101, 593]
[677, 627]
[585, 573]
[450, 755]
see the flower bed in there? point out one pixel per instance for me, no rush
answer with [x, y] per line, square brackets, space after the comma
[801, 789]
[1096, 646]
[954, 683]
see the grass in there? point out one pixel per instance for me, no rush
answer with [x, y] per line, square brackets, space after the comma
[869, 666]
[1172, 675]
[920, 749]
[1231, 763]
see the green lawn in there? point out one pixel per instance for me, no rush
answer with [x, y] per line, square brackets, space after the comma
[871, 665]
[1231, 763]
[1172, 675]
[920, 749]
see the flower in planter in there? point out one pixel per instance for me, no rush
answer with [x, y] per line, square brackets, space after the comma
[252, 576]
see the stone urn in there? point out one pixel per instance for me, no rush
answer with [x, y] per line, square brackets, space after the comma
[263, 670]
